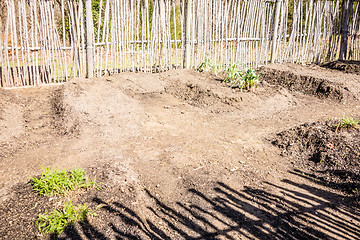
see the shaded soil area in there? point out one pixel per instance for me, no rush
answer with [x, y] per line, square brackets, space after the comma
[180, 155]
[330, 153]
[347, 66]
[314, 80]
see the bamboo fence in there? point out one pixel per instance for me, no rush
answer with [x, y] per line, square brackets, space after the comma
[45, 42]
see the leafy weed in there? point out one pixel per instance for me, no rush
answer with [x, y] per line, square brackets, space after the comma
[56, 182]
[57, 220]
[232, 75]
[242, 79]
[250, 80]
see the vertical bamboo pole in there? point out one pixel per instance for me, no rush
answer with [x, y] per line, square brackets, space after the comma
[2, 61]
[6, 39]
[193, 35]
[182, 15]
[347, 5]
[175, 32]
[188, 35]
[22, 64]
[82, 40]
[14, 45]
[89, 40]
[64, 37]
[35, 40]
[275, 35]
[27, 41]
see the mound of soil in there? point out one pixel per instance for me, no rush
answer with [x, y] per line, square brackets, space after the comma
[347, 66]
[201, 93]
[313, 80]
[331, 154]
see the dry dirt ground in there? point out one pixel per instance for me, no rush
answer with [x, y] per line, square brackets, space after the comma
[180, 155]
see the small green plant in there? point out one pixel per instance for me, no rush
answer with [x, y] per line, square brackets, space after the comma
[348, 122]
[205, 66]
[57, 220]
[232, 74]
[243, 79]
[56, 182]
[250, 80]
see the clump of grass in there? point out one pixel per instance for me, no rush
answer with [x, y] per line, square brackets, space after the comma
[348, 122]
[56, 182]
[57, 220]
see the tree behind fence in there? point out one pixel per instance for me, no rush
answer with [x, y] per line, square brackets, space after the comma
[44, 41]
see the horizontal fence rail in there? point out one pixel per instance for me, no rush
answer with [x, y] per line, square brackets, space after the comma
[48, 41]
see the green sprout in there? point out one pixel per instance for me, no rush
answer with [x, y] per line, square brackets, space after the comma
[242, 79]
[57, 220]
[250, 80]
[56, 182]
[232, 74]
[348, 122]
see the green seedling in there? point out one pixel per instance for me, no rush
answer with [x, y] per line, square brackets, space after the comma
[348, 122]
[57, 220]
[232, 75]
[205, 66]
[250, 80]
[56, 182]
[242, 79]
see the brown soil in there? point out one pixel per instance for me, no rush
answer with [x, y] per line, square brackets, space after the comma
[179, 156]
[331, 153]
[314, 80]
[349, 66]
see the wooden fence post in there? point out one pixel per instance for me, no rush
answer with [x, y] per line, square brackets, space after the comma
[346, 11]
[275, 33]
[89, 40]
[187, 35]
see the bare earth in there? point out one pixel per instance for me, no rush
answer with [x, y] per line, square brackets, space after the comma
[179, 155]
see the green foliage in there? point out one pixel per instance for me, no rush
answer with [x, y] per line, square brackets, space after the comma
[56, 182]
[348, 122]
[57, 220]
[242, 79]
[177, 23]
[232, 75]
[95, 13]
[205, 66]
[249, 80]
[98, 17]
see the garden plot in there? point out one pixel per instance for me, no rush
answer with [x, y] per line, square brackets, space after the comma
[181, 155]
[314, 80]
[352, 67]
[328, 149]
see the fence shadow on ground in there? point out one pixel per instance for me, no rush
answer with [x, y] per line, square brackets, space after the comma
[290, 211]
